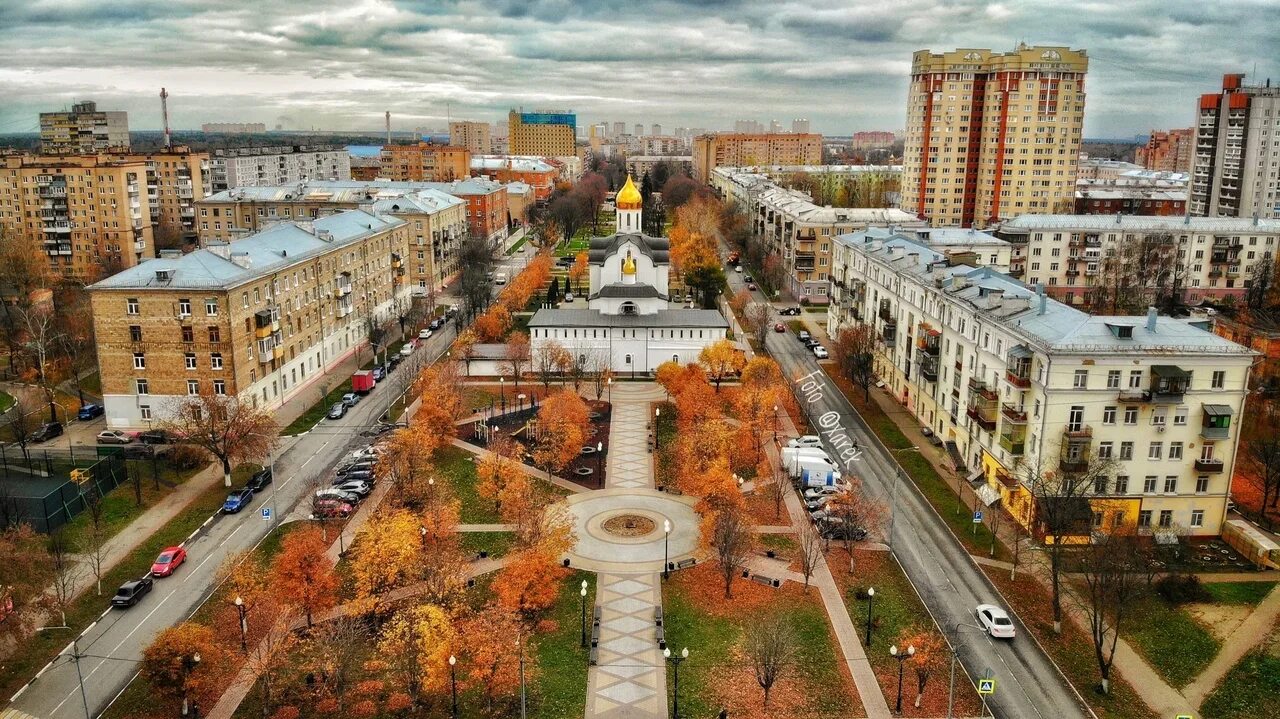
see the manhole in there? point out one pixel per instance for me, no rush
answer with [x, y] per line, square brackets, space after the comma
[588, 450]
[629, 525]
[593, 416]
[584, 471]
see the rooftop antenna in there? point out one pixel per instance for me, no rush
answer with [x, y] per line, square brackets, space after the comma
[388, 127]
[164, 112]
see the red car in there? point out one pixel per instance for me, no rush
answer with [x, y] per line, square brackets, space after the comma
[168, 561]
[779, 328]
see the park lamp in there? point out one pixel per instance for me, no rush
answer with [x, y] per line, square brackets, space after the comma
[583, 592]
[452, 660]
[239, 601]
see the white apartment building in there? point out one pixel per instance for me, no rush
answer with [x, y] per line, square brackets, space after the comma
[278, 165]
[1235, 170]
[1215, 256]
[83, 130]
[1015, 382]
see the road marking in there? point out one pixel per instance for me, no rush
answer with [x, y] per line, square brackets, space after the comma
[105, 612]
[14, 698]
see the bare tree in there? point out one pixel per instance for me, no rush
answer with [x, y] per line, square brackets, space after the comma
[732, 540]
[756, 317]
[855, 354]
[20, 426]
[771, 647]
[1110, 567]
[547, 361]
[335, 653]
[599, 369]
[95, 540]
[65, 572]
[270, 655]
[40, 332]
[518, 355]
[227, 428]
[810, 552]
[1262, 450]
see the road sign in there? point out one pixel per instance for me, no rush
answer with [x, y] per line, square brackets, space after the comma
[266, 513]
[986, 686]
[977, 517]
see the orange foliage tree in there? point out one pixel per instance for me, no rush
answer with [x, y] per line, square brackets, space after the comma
[562, 430]
[416, 643]
[579, 269]
[930, 658]
[492, 326]
[303, 574]
[385, 555]
[498, 468]
[490, 654]
[721, 359]
[529, 584]
[169, 667]
[441, 407]
[518, 355]
[541, 522]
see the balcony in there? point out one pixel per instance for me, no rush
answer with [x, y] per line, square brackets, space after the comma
[890, 332]
[930, 343]
[1013, 414]
[886, 314]
[929, 368]
[345, 311]
[1211, 465]
[1019, 367]
[1013, 444]
[1215, 423]
[1168, 384]
[983, 414]
[341, 290]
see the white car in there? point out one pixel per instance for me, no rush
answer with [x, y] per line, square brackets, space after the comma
[114, 436]
[808, 440]
[818, 492]
[995, 620]
[365, 454]
[820, 352]
[406, 349]
[738, 268]
[424, 334]
[357, 487]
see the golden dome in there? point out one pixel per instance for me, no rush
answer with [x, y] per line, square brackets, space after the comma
[629, 197]
[629, 264]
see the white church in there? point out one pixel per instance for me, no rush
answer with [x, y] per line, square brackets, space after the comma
[628, 314]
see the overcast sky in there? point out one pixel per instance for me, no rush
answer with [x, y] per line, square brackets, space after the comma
[697, 63]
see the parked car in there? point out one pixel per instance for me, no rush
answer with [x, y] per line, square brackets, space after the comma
[114, 436]
[89, 411]
[424, 334]
[737, 268]
[260, 480]
[338, 410]
[131, 592]
[751, 285]
[356, 487]
[237, 501]
[437, 323]
[378, 373]
[137, 451]
[46, 432]
[370, 452]
[406, 349]
[789, 311]
[453, 310]
[348, 497]
[803, 336]
[810, 343]
[815, 492]
[808, 440]
[817, 502]
[350, 399]
[995, 620]
[358, 475]
[835, 528]
[331, 509]
[747, 279]
[156, 436]
[363, 463]
[169, 560]
[820, 352]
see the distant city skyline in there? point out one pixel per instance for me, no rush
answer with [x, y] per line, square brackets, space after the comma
[677, 63]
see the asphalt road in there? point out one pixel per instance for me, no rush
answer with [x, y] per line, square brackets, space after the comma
[112, 647]
[1028, 685]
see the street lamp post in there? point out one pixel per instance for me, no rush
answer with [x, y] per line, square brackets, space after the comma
[189, 665]
[244, 624]
[666, 541]
[955, 655]
[609, 384]
[502, 388]
[775, 424]
[871, 597]
[657, 412]
[583, 593]
[676, 660]
[520, 397]
[600, 464]
[902, 657]
[453, 685]
[524, 713]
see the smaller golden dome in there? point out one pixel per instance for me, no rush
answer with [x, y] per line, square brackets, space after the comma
[629, 197]
[629, 265]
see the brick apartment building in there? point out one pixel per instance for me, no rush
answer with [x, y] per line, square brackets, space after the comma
[425, 162]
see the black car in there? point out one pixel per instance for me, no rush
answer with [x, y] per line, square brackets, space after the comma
[437, 323]
[137, 451]
[46, 432]
[130, 592]
[155, 436]
[259, 480]
[839, 530]
[364, 475]
[337, 411]
[789, 311]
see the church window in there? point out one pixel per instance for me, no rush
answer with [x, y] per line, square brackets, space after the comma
[628, 359]
[675, 358]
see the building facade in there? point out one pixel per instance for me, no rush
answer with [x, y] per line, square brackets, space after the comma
[542, 134]
[436, 222]
[992, 135]
[536, 172]
[1236, 168]
[1017, 385]
[425, 162]
[1198, 258]
[475, 136]
[83, 130]
[640, 165]
[277, 165]
[1168, 150]
[738, 149]
[263, 319]
[868, 139]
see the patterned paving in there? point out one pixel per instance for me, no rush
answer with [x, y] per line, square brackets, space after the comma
[630, 462]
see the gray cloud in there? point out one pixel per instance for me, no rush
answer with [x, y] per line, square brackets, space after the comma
[703, 63]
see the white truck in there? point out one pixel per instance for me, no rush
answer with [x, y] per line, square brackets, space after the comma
[798, 460]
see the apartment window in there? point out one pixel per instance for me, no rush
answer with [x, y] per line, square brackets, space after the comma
[1130, 415]
[215, 335]
[1108, 415]
[131, 306]
[1081, 379]
[193, 386]
[141, 386]
[1113, 379]
[1175, 450]
[1100, 485]
[244, 299]
[211, 307]
[1158, 417]
[1219, 379]
[190, 359]
[1202, 485]
[1166, 518]
[1135, 379]
[1170, 485]
[135, 333]
[1144, 518]
[1197, 517]
[1155, 450]
[1122, 485]
[1104, 450]
[215, 360]
[1180, 416]
[184, 307]
[145, 411]
[1126, 451]
[1149, 485]
[219, 387]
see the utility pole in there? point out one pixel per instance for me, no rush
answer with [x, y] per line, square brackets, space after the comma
[388, 127]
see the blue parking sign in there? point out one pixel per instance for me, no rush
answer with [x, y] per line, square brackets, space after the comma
[977, 517]
[266, 513]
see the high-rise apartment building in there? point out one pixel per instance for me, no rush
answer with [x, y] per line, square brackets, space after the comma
[425, 161]
[992, 135]
[656, 129]
[619, 129]
[85, 129]
[737, 150]
[639, 130]
[1168, 151]
[277, 165]
[800, 126]
[1236, 168]
[472, 135]
[544, 134]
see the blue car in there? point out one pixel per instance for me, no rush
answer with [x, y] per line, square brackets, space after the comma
[237, 501]
[90, 411]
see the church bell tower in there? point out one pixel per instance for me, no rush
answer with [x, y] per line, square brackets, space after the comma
[630, 205]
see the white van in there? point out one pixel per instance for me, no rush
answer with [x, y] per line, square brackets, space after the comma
[789, 454]
[814, 465]
[500, 278]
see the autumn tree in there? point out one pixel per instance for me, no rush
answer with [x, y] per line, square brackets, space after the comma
[755, 406]
[810, 552]
[385, 556]
[930, 657]
[540, 521]
[562, 430]
[756, 318]
[669, 375]
[529, 584]
[498, 468]
[1262, 449]
[24, 273]
[771, 647]
[304, 574]
[183, 661]
[855, 352]
[578, 271]
[334, 652]
[24, 575]
[416, 644]
[442, 405]
[721, 359]
[732, 541]
[1110, 567]
[269, 657]
[232, 430]
[857, 509]
[490, 657]
[517, 355]
[548, 361]
[492, 326]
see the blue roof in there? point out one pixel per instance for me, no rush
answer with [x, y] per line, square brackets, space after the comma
[364, 150]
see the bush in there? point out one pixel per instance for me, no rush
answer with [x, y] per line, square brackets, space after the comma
[1182, 589]
[186, 456]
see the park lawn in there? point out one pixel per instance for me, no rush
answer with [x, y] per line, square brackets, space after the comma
[718, 675]
[665, 472]
[460, 466]
[976, 539]
[784, 546]
[119, 506]
[6, 401]
[558, 689]
[497, 544]
[519, 243]
[44, 646]
[1241, 593]
[1250, 690]
[896, 611]
[1173, 643]
[796, 326]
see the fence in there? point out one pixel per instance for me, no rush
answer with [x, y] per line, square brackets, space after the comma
[39, 490]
